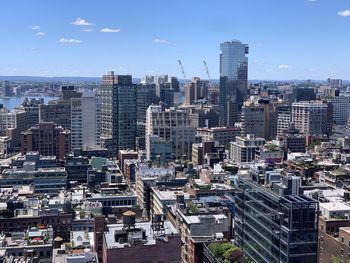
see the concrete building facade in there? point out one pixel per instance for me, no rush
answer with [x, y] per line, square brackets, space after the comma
[172, 125]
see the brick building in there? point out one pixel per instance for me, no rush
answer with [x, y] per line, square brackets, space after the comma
[48, 139]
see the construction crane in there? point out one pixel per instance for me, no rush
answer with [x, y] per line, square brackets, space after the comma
[183, 71]
[207, 70]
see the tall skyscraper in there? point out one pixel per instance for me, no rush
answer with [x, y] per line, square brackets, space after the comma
[233, 80]
[118, 112]
[85, 122]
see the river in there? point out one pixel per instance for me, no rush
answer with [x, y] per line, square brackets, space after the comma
[11, 102]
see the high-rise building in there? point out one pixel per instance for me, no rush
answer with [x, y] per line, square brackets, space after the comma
[259, 118]
[312, 117]
[284, 118]
[196, 90]
[118, 112]
[204, 116]
[173, 125]
[48, 139]
[6, 89]
[233, 80]
[275, 223]
[160, 82]
[341, 108]
[59, 111]
[167, 89]
[159, 149]
[85, 122]
[12, 123]
[303, 94]
[146, 95]
[335, 83]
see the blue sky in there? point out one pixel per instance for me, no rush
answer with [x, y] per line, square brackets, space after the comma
[289, 39]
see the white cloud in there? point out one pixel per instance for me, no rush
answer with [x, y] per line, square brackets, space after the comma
[284, 66]
[81, 22]
[162, 41]
[70, 41]
[35, 27]
[120, 69]
[40, 33]
[344, 13]
[109, 30]
[312, 0]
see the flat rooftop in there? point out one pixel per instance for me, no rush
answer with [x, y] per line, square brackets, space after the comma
[151, 238]
[335, 206]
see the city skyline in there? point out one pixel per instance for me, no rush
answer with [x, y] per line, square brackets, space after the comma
[303, 39]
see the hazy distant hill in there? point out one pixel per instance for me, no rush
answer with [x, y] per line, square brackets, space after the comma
[57, 79]
[135, 80]
[50, 79]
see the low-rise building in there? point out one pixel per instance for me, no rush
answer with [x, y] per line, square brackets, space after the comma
[244, 148]
[5, 145]
[45, 180]
[334, 232]
[146, 177]
[130, 241]
[270, 153]
[34, 243]
[162, 198]
[198, 223]
[222, 135]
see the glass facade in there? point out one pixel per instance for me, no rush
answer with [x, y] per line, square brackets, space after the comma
[272, 228]
[233, 80]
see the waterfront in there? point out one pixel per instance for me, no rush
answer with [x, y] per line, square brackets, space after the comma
[11, 102]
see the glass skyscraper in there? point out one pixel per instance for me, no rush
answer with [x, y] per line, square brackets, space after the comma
[276, 225]
[233, 80]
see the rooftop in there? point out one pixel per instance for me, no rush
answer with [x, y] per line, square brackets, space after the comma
[335, 206]
[135, 234]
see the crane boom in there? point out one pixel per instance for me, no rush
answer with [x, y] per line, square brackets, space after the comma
[183, 71]
[207, 70]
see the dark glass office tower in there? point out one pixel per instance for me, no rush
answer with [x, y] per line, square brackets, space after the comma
[276, 223]
[118, 112]
[233, 80]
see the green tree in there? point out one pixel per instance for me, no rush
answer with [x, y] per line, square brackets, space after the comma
[235, 255]
[335, 259]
